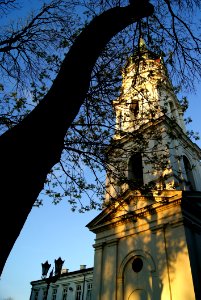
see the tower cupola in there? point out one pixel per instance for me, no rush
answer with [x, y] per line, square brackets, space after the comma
[146, 93]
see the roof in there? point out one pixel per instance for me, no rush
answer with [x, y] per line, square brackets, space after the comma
[67, 274]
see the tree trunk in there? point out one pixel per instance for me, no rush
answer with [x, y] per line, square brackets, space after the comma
[34, 146]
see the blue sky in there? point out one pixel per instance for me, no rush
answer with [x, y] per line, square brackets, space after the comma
[50, 231]
[54, 231]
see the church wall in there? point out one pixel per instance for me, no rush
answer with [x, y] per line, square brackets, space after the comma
[193, 235]
[109, 268]
[171, 268]
[98, 261]
[159, 241]
[178, 276]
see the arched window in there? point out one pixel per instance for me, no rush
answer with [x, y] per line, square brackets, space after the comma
[134, 107]
[120, 120]
[189, 173]
[173, 110]
[135, 169]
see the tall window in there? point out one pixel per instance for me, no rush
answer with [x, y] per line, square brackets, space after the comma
[134, 107]
[54, 293]
[120, 120]
[189, 173]
[135, 169]
[89, 291]
[65, 293]
[78, 292]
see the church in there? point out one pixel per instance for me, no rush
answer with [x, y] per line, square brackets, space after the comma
[148, 235]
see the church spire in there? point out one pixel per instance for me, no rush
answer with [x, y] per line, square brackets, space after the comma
[142, 42]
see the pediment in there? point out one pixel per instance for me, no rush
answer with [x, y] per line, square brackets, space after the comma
[133, 205]
[120, 210]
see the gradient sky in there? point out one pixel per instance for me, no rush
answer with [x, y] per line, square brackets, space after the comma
[54, 231]
[50, 231]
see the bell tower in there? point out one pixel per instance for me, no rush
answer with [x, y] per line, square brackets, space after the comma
[150, 146]
[148, 235]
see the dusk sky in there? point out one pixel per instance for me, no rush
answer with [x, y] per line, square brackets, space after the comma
[54, 231]
[50, 232]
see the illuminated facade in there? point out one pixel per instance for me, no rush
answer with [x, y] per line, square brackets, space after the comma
[148, 236]
[75, 285]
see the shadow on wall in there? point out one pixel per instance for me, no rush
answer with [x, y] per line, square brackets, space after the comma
[148, 259]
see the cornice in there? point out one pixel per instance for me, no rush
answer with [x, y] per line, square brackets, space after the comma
[134, 216]
[188, 203]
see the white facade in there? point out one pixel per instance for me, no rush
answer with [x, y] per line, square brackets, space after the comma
[75, 285]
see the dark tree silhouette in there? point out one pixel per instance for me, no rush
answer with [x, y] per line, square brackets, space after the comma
[30, 149]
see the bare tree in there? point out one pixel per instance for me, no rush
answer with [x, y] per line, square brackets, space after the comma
[79, 99]
[34, 146]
